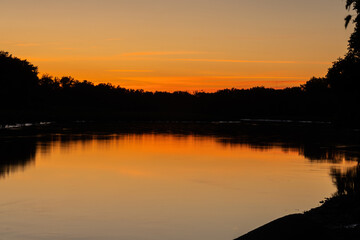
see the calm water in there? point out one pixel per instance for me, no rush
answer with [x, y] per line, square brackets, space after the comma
[152, 187]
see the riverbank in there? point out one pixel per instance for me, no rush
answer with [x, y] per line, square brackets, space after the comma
[338, 218]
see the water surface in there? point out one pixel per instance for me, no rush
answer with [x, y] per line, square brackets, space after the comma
[153, 186]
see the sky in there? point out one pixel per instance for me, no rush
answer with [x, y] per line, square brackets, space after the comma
[177, 44]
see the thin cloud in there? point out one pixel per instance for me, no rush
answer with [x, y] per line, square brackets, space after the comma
[129, 71]
[26, 44]
[76, 58]
[215, 78]
[253, 77]
[68, 48]
[159, 53]
[248, 61]
[114, 39]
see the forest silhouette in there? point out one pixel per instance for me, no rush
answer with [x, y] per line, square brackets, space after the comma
[27, 97]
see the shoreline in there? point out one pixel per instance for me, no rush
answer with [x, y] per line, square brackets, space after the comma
[337, 218]
[22, 125]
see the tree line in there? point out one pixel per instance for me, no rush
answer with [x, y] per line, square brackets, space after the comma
[25, 96]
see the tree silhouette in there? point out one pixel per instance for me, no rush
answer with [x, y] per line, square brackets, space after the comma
[344, 74]
[18, 80]
[316, 85]
[332, 98]
[343, 77]
[347, 182]
[354, 41]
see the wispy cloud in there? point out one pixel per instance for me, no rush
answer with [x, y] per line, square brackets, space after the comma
[26, 44]
[248, 61]
[146, 56]
[114, 39]
[68, 48]
[160, 53]
[220, 79]
[253, 77]
[129, 71]
[75, 58]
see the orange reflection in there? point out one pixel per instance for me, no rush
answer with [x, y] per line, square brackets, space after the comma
[158, 185]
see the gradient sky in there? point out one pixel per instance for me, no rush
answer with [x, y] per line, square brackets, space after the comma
[177, 44]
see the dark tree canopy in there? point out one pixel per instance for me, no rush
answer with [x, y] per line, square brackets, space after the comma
[354, 41]
[344, 76]
[18, 79]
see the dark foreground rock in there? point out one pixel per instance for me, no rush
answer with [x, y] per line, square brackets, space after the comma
[338, 218]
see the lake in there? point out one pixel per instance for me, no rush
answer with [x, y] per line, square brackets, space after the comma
[156, 185]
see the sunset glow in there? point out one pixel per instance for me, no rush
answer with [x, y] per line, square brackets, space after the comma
[158, 186]
[177, 45]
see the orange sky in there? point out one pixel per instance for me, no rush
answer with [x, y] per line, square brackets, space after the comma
[178, 45]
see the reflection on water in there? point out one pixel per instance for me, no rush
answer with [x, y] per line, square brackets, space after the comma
[348, 181]
[177, 185]
[16, 154]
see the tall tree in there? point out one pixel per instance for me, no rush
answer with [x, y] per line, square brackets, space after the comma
[344, 75]
[354, 41]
